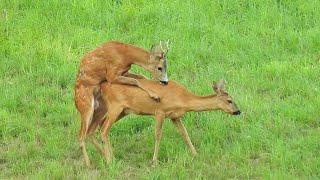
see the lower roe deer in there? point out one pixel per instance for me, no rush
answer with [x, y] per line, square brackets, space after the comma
[176, 100]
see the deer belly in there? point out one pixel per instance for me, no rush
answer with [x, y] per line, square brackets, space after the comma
[175, 114]
[137, 111]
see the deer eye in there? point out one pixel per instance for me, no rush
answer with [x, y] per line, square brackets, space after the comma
[229, 101]
[160, 68]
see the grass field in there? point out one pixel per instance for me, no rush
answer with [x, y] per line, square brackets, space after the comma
[267, 51]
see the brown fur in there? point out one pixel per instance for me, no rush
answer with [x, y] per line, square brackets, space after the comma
[176, 101]
[111, 62]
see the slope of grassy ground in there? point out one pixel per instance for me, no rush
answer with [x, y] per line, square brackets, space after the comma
[267, 51]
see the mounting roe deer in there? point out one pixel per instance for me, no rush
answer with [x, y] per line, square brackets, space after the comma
[176, 100]
[111, 62]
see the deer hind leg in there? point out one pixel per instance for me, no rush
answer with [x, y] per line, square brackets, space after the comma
[98, 118]
[158, 134]
[85, 105]
[93, 126]
[85, 120]
[113, 116]
[182, 130]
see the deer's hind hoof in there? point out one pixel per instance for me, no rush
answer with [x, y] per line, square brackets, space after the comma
[154, 163]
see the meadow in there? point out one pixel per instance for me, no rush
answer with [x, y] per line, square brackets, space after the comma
[266, 50]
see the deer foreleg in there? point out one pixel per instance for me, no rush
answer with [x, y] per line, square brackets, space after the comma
[135, 76]
[134, 82]
[182, 130]
[158, 134]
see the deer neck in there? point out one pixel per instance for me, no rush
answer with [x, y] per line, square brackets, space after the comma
[201, 103]
[141, 58]
[145, 64]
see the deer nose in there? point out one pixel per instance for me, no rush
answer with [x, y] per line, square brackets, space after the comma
[236, 113]
[164, 82]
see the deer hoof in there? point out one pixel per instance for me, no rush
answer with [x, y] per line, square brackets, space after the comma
[154, 163]
[156, 98]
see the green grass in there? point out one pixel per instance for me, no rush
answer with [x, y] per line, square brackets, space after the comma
[267, 51]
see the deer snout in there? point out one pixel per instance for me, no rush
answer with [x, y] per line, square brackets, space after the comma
[236, 113]
[164, 82]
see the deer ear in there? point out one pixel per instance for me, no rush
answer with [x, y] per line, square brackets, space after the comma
[165, 47]
[156, 48]
[219, 86]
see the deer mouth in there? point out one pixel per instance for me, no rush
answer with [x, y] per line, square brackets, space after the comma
[236, 113]
[164, 82]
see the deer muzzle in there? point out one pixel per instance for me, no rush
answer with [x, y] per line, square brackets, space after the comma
[164, 82]
[236, 113]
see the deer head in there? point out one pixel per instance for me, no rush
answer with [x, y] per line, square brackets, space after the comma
[159, 62]
[225, 101]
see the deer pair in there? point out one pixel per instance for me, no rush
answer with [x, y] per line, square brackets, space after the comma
[105, 92]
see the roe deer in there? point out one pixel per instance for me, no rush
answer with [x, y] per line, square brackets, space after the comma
[111, 62]
[176, 100]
